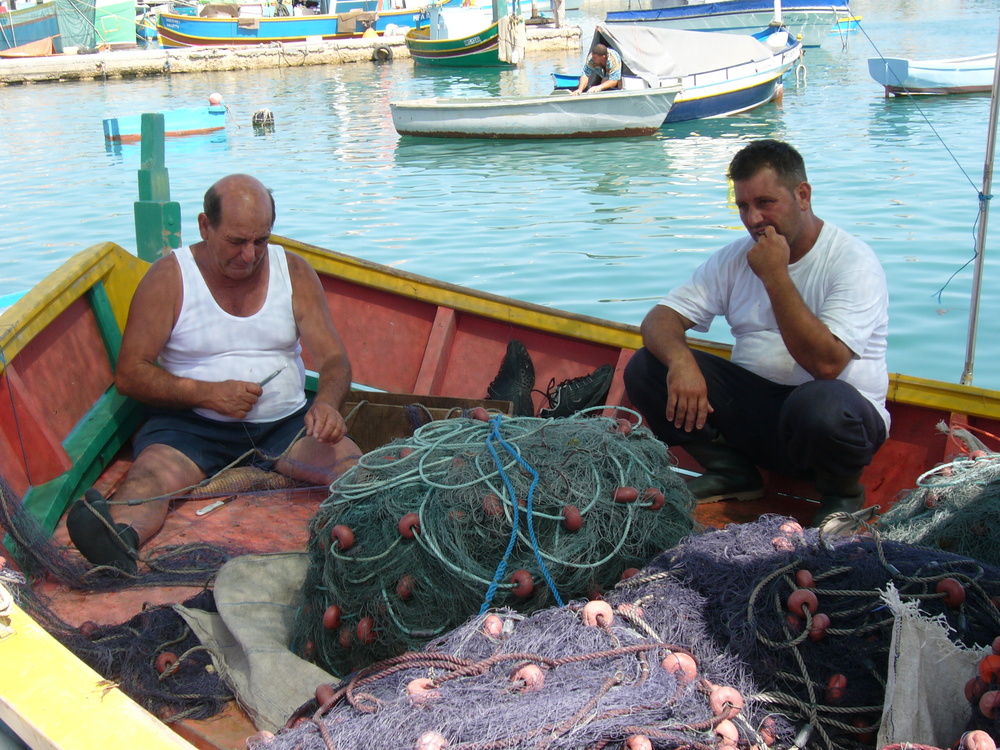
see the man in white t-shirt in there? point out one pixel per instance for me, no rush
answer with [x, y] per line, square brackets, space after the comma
[213, 346]
[804, 393]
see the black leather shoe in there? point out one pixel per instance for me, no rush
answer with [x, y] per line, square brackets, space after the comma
[514, 380]
[570, 396]
[90, 525]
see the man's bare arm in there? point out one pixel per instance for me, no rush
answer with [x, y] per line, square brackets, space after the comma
[807, 338]
[687, 394]
[319, 334]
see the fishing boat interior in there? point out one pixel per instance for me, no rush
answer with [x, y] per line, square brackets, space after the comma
[606, 499]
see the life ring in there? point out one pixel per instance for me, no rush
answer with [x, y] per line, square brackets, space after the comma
[382, 53]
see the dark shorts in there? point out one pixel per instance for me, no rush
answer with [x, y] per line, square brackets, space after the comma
[213, 445]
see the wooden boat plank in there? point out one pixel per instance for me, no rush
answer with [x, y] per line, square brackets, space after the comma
[39, 455]
[88, 705]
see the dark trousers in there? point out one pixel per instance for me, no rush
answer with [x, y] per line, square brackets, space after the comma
[820, 426]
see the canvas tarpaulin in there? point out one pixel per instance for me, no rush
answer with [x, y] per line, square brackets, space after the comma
[651, 53]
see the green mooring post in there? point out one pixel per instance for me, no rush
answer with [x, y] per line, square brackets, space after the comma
[157, 218]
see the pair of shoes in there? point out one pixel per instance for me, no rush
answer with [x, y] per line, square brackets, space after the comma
[514, 380]
[572, 395]
[95, 540]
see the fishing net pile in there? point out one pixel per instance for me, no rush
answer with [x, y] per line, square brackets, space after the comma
[955, 507]
[805, 613]
[792, 621]
[155, 658]
[126, 653]
[466, 514]
[636, 668]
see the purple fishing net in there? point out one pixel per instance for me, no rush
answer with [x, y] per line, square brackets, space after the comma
[550, 680]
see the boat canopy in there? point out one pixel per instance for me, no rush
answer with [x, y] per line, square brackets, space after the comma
[652, 53]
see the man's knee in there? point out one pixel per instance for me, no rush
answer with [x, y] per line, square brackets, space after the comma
[161, 469]
[829, 425]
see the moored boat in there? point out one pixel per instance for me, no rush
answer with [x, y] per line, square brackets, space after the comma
[31, 24]
[721, 74]
[473, 37]
[181, 121]
[957, 75]
[558, 115]
[806, 19]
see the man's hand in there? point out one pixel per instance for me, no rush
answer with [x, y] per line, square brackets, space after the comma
[770, 255]
[233, 398]
[687, 397]
[324, 423]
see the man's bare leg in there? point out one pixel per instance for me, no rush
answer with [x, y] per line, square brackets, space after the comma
[309, 460]
[159, 470]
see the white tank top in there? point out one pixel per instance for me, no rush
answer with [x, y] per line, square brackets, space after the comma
[207, 343]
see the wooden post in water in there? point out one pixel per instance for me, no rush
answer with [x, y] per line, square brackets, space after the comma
[157, 218]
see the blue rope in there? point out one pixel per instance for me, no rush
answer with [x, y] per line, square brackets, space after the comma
[502, 566]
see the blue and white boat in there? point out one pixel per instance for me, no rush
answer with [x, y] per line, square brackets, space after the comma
[957, 75]
[809, 20]
[722, 74]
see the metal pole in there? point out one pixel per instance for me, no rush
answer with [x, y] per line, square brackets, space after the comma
[984, 213]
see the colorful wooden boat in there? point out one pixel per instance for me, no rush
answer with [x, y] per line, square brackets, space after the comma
[957, 75]
[467, 37]
[64, 428]
[177, 122]
[182, 30]
[806, 19]
[30, 24]
[722, 74]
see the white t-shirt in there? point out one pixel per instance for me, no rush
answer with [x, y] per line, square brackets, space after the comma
[207, 343]
[841, 282]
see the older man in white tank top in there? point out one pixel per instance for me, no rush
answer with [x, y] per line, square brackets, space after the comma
[213, 344]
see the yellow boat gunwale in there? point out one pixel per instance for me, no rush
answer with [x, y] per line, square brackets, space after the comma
[120, 272]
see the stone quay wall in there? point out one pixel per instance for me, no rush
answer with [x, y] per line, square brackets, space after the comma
[141, 63]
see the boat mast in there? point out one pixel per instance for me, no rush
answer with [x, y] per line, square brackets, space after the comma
[777, 13]
[984, 212]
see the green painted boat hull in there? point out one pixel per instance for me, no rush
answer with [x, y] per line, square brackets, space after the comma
[479, 50]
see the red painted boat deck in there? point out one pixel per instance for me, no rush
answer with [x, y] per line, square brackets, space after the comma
[277, 521]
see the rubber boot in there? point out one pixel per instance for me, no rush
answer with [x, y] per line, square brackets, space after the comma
[729, 475]
[838, 495]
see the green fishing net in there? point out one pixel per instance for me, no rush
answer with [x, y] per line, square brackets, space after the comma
[955, 507]
[467, 514]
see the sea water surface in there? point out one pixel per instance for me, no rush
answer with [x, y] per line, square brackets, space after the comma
[602, 227]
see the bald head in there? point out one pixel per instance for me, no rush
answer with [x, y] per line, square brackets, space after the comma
[236, 192]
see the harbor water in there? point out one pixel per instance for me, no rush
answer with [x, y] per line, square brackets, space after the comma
[602, 227]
